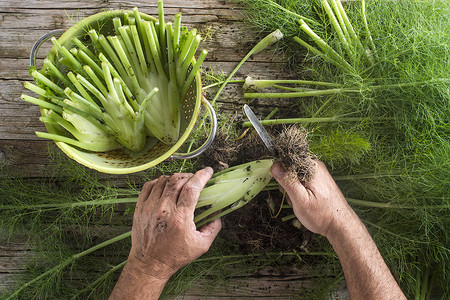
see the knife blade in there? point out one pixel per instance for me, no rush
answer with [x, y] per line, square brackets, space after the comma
[262, 132]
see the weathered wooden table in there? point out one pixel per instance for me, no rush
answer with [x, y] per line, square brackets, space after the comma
[228, 40]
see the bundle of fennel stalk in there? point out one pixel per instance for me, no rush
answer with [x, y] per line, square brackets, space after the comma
[373, 91]
[118, 91]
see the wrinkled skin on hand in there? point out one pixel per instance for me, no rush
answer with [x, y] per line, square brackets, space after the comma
[321, 207]
[318, 204]
[164, 236]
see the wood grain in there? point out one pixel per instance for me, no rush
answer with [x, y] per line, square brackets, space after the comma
[266, 283]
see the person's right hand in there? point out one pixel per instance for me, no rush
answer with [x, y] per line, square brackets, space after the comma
[318, 204]
[321, 207]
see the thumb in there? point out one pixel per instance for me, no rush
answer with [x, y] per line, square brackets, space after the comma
[289, 182]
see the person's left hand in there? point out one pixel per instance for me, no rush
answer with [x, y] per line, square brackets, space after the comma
[164, 237]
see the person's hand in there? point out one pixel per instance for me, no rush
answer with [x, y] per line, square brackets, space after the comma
[318, 204]
[321, 207]
[164, 237]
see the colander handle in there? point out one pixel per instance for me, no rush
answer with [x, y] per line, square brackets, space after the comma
[39, 42]
[212, 134]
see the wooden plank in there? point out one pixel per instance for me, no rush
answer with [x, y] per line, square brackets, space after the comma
[22, 26]
[229, 40]
[270, 287]
[224, 43]
[267, 283]
[13, 69]
[60, 18]
[18, 119]
[13, 258]
[263, 282]
[31, 159]
[26, 158]
[7, 5]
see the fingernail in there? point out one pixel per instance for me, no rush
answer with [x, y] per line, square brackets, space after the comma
[277, 171]
[209, 170]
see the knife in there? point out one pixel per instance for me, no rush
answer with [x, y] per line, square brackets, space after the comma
[262, 132]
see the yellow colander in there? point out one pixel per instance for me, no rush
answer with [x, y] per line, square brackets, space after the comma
[121, 161]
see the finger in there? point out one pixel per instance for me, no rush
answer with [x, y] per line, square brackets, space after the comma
[145, 192]
[209, 232]
[174, 186]
[320, 175]
[157, 190]
[191, 190]
[289, 182]
[144, 195]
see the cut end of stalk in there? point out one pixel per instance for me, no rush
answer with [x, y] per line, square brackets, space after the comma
[267, 41]
[34, 72]
[301, 22]
[277, 35]
[248, 84]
